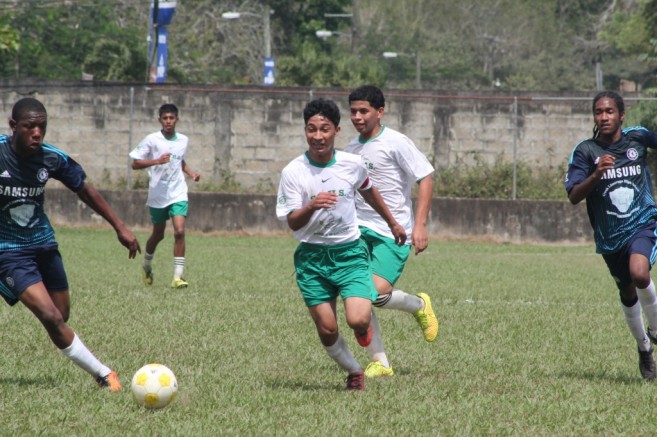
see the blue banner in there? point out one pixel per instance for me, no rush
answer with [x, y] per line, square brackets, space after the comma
[162, 54]
[269, 71]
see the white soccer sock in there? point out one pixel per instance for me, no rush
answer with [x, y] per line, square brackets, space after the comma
[375, 349]
[148, 257]
[400, 300]
[80, 355]
[634, 321]
[648, 299]
[178, 266]
[341, 354]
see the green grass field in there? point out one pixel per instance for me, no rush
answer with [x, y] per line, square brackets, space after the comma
[532, 342]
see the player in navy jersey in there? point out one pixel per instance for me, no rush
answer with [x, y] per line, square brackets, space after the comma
[31, 267]
[609, 171]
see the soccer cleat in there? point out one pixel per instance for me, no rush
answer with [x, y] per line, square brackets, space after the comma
[356, 381]
[179, 283]
[427, 319]
[364, 339]
[375, 370]
[652, 338]
[110, 381]
[647, 365]
[147, 276]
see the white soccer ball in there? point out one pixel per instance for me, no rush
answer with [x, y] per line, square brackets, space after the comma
[154, 386]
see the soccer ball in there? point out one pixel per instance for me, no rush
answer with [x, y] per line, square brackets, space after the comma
[154, 386]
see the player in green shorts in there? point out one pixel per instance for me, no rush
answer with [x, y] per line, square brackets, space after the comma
[395, 166]
[162, 154]
[316, 197]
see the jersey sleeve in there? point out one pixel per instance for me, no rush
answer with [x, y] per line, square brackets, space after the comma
[579, 168]
[70, 173]
[142, 151]
[289, 196]
[413, 161]
[642, 135]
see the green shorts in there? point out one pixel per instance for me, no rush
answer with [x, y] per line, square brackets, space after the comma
[323, 272]
[161, 215]
[388, 259]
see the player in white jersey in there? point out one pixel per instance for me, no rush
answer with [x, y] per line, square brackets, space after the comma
[163, 154]
[395, 165]
[316, 197]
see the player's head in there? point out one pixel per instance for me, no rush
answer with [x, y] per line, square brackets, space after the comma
[168, 108]
[369, 93]
[324, 107]
[322, 125]
[28, 124]
[367, 105]
[168, 119]
[608, 115]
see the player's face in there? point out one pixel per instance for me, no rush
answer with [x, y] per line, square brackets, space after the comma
[320, 135]
[28, 132]
[608, 119]
[168, 121]
[365, 118]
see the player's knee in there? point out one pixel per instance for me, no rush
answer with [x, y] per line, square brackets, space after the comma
[179, 234]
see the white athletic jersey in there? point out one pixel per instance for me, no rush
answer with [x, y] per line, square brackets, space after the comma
[394, 164]
[302, 179]
[167, 183]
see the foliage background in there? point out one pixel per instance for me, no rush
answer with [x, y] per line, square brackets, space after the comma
[524, 44]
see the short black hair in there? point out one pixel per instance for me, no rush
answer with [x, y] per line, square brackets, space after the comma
[369, 93]
[24, 105]
[620, 104]
[168, 108]
[325, 107]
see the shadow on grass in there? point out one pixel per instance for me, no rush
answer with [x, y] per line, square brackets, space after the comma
[293, 385]
[26, 382]
[592, 376]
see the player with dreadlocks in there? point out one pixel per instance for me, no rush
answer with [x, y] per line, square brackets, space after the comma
[609, 171]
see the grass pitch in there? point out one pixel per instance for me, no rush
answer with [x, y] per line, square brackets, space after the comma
[532, 342]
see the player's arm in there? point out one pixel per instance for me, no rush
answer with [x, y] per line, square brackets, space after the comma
[420, 237]
[374, 199]
[89, 195]
[188, 171]
[138, 164]
[584, 188]
[299, 218]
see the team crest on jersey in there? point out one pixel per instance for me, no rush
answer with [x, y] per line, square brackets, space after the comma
[632, 154]
[42, 175]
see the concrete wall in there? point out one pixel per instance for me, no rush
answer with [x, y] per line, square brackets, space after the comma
[246, 135]
[500, 220]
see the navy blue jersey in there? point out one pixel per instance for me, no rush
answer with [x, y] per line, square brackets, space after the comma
[622, 201]
[23, 222]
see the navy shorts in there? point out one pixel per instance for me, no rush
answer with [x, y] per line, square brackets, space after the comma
[644, 242]
[21, 268]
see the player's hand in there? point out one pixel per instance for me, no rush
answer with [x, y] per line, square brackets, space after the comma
[165, 158]
[419, 238]
[196, 176]
[324, 200]
[399, 233]
[604, 163]
[127, 239]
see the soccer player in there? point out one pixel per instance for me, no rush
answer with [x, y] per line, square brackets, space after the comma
[395, 166]
[609, 171]
[31, 267]
[163, 154]
[316, 196]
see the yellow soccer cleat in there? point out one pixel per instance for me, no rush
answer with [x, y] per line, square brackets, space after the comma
[376, 370]
[427, 319]
[147, 276]
[179, 283]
